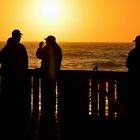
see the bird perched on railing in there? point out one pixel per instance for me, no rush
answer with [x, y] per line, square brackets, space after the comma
[95, 68]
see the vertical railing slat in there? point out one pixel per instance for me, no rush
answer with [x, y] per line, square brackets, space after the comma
[94, 98]
[102, 93]
[36, 96]
[111, 98]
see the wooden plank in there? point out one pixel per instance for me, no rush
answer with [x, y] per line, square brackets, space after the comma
[111, 98]
[102, 94]
[36, 96]
[94, 99]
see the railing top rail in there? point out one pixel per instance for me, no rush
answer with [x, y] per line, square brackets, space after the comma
[83, 73]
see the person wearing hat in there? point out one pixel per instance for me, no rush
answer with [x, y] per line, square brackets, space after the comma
[50, 55]
[51, 58]
[14, 65]
[16, 35]
[133, 59]
[133, 66]
[13, 55]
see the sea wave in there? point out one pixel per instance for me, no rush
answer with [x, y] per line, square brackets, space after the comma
[85, 56]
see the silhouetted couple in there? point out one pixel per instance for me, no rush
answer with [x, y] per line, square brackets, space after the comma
[14, 104]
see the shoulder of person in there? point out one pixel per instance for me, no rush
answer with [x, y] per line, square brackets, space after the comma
[5, 48]
[22, 45]
[132, 52]
[58, 47]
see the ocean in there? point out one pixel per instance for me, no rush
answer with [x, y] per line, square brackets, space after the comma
[107, 56]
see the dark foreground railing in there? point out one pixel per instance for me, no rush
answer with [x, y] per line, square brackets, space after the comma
[82, 99]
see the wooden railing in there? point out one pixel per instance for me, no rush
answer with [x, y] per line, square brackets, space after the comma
[82, 96]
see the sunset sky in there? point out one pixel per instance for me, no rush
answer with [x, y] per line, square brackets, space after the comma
[71, 20]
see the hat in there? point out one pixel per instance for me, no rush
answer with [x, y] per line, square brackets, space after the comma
[137, 39]
[16, 32]
[50, 37]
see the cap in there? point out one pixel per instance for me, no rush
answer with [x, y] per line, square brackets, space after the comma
[16, 32]
[50, 37]
[137, 39]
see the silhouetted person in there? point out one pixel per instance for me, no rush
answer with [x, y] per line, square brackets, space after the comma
[14, 65]
[133, 65]
[51, 57]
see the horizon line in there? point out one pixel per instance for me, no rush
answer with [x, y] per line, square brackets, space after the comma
[77, 41]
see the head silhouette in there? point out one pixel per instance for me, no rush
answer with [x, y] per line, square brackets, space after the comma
[16, 35]
[137, 40]
[50, 39]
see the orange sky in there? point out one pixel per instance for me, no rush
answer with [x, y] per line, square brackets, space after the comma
[71, 20]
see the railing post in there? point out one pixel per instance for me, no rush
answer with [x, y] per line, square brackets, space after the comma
[111, 98]
[94, 98]
[73, 103]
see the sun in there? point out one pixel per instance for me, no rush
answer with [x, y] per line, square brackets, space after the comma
[49, 17]
[49, 11]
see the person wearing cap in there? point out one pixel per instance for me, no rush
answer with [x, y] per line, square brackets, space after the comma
[14, 65]
[50, 55]
[133, 66]
[13, 56]
[133, 59]
[16, 35]
[51, 58]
